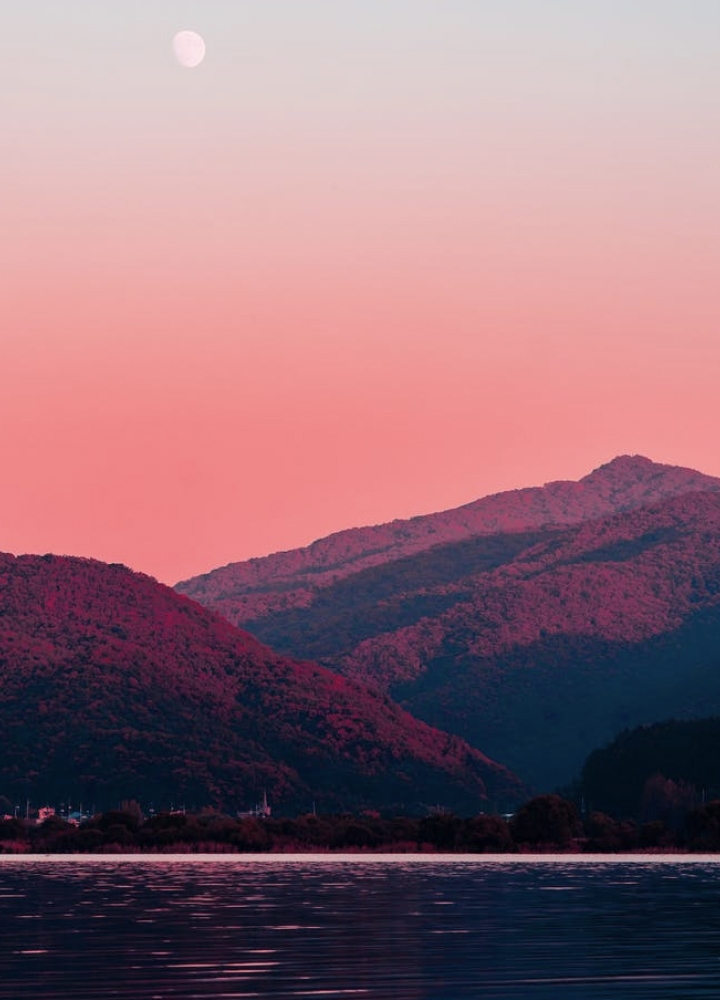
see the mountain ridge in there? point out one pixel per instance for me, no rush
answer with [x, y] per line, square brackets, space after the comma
[242, 591]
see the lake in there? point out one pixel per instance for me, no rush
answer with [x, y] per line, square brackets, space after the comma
[423, 927]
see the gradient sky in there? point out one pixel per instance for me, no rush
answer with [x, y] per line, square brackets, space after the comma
[370, 259]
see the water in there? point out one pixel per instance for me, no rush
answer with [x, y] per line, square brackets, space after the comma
[427, 928]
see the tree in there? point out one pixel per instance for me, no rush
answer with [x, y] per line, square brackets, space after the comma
[546, 820]
[703, 827]
[607, 835]
[667, 800]
[486, 834]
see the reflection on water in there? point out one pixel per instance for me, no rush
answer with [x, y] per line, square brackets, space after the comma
[425, 929]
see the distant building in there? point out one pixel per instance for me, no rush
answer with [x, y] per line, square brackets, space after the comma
[261, 811]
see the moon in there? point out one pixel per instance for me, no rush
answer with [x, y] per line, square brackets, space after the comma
[189, 48]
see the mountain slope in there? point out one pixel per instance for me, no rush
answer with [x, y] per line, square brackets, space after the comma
[539, 644]
[611, 624]
[114, 687]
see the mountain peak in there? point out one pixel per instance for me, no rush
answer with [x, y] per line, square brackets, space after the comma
[628, 480]
[629, 463]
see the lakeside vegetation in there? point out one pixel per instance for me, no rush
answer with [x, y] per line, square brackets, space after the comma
[544, 824]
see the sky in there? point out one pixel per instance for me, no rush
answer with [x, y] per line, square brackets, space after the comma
[368, 260]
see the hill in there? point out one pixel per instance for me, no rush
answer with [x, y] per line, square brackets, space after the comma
[671, 763]
[538, 644]
[115, 687]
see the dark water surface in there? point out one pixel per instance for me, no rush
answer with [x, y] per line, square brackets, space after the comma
[424, 929]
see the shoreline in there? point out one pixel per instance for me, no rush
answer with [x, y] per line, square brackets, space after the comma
[339, 857]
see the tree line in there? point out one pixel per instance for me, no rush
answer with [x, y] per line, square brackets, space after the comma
[545, 823]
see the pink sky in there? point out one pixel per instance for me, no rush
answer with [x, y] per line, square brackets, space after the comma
[369, 260]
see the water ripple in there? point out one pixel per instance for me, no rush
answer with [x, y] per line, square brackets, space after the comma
[392, 928]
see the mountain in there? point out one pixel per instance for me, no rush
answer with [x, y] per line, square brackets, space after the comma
[598, 610]
[115, 687]
[248, 591]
